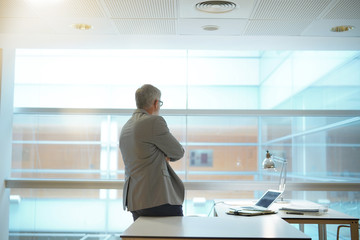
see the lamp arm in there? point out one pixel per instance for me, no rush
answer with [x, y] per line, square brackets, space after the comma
[282, 180]
[279, 159]
[283, 172]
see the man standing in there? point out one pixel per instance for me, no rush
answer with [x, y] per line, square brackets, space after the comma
[151, 188]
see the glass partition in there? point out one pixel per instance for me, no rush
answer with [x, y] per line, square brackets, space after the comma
[76, 214]
[218, 147]
[225, 107]
[67, 211]
[189, 79]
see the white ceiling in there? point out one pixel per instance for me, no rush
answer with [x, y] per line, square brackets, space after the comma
[253, 24]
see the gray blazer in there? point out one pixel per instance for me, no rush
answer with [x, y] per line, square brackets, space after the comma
[145, 141]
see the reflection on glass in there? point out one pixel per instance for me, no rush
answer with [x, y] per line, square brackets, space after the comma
[62, 147]
[67, 211]
[206, 96]
[189, 79]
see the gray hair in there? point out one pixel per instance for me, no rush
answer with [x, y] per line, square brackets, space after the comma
[146, 95]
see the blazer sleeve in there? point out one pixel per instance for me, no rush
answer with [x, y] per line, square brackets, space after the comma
[165, 141]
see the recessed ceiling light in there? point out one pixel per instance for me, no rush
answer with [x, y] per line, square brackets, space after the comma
[210, 27]
[81, 26]
[343, 28]
[215, 6]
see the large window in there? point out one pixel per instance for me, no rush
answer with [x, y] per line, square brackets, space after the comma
[226, 108]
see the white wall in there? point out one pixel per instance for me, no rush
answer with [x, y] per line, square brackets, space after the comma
[7, 62]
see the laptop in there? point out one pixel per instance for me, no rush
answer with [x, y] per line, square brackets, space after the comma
[264, 202]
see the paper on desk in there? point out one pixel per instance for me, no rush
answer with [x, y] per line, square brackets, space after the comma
[242, 212]
[295, 208]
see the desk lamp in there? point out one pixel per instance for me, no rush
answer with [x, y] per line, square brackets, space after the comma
[269, 163]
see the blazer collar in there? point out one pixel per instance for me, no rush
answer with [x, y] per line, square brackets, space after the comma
[140, 111]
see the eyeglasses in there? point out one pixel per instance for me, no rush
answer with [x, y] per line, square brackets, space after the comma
[160, 103]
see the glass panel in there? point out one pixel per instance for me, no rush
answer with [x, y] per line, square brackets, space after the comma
[208, 70]
[222, 97]
[68, 211]
[57, 128]
[222, 163]
[188, 78]
[75, 213]
[337, 90]
[95, 78]
[66, 146]
[290, 80]
[71, 146]
[222, 129]
[217, 147]
[221, 147]
[56, 161]
[316, 148]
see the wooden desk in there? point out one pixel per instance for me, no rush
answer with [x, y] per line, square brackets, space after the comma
[330, 217]
[265, 227]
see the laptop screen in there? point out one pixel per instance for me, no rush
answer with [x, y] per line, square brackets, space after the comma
[268, 198]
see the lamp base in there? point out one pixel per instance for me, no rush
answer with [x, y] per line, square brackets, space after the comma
[282, 201]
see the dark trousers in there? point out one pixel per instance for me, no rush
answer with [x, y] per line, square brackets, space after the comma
[162, 210]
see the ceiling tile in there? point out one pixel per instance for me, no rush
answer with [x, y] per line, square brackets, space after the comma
[141, 8]
[345, 9]
[15, 9]
[289, 9]
[23, 26]
[146, 26]
[68, 8]
[276, 27]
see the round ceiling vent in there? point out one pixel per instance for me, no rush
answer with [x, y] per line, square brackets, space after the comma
[215, 6]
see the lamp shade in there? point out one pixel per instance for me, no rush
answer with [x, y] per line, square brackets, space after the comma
[268, 162]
